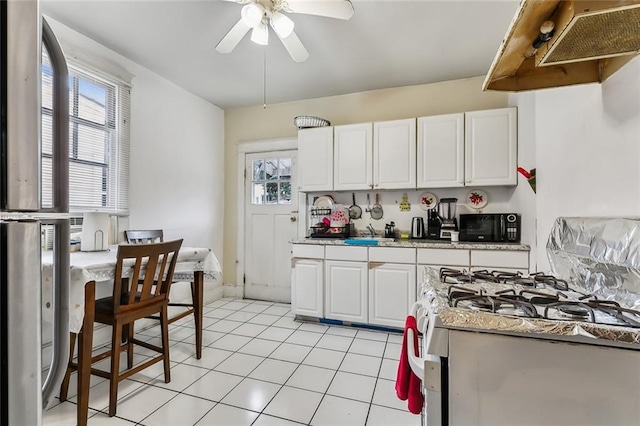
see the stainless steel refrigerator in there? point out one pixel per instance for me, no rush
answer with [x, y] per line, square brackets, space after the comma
[23, 391]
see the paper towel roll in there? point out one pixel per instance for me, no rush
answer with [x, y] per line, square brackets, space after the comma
[95, 231]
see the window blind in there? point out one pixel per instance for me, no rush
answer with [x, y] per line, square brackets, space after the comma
[99, 140]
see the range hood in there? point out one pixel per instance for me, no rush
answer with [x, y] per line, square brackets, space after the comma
[590, 41]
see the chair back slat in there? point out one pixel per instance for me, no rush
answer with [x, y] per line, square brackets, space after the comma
[144, 273]
[144, 236]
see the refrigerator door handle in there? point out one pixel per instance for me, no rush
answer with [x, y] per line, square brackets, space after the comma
[60, 121]
[60, 345]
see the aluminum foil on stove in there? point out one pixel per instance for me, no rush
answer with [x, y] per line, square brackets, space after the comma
[599, 255]
[435, 292]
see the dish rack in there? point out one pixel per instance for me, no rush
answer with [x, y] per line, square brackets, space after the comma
[319, 211]
[342, 232]
[308, 121]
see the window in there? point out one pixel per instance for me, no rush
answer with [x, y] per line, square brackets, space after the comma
[271, 181]
[98, 140]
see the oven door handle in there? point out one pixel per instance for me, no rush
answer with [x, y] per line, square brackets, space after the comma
[427, 367]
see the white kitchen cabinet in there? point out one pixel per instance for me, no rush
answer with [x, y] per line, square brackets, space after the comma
[491, 141]
[315, 159]
[307, 287]
[353, 157]
[394, 154]
[392, 291]
[440, 151]
[346, 291]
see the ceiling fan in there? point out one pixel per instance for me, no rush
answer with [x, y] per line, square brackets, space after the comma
[258, 15]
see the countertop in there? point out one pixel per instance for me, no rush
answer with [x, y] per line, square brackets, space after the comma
[435, 244]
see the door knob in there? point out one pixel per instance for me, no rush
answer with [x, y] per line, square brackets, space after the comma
[293, 218]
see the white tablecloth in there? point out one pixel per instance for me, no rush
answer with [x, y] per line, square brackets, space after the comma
[100, 267]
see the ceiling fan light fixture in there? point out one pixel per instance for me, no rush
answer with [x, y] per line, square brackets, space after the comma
[282, 25]
[260, 34]
[252, 15]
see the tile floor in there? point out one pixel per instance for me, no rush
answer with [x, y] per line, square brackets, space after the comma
[259, 367]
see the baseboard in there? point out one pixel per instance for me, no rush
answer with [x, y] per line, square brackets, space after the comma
[233, 291]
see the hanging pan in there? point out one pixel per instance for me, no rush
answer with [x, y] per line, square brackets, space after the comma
[376, 210]
[355, 212]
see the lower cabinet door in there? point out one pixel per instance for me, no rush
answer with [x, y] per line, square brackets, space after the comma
[392, 291]
[306, 287]
[346, 291]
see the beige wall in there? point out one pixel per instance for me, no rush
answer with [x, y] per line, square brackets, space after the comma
[276, 121]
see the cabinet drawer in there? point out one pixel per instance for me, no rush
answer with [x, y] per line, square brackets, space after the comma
[346, 253]
[392, 254]
[307, 251]
[500, 259]
[446, 257]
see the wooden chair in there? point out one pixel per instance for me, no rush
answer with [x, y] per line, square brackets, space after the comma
[143, 277]
[144, 237]
[156, 235]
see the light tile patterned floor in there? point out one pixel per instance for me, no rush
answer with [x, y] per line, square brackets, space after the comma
[260, 367]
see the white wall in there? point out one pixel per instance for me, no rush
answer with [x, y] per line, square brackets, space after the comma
[177, 150]
[587, 150]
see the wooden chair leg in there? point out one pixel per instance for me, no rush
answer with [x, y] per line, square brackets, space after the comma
[164, 326]
[129, 330]
[85, 345]
[64, 387]
[197, 289]
[115, 368]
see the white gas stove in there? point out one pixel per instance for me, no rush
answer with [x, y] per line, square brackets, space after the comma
[503, 349]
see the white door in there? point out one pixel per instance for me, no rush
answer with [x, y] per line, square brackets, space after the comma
[307, 293]
[271, 203]
[346, 291]
[491, 143]
[353, 157]
[315, 159]
[394, 154]
[441, 151]
[392, 291]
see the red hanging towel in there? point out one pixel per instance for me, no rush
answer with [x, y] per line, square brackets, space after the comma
[408, 385]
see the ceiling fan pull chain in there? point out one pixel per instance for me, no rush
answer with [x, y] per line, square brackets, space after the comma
[264, 93]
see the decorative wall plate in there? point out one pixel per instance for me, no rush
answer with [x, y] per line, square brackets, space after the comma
[477, 199]
[428, 201]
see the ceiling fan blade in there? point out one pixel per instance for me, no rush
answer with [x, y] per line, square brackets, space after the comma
[295, 48]
[339, 9]
[233, 37]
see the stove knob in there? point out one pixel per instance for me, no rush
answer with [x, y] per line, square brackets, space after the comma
[511, 218]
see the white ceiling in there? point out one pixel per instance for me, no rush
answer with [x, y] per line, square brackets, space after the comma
[385, 44]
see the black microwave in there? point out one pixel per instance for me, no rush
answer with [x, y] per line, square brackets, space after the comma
[490, 228]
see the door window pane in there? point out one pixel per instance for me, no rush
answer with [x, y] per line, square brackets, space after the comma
[271, 181]
[258, 170]
[257, 195]
[272, 192]
[285, 168]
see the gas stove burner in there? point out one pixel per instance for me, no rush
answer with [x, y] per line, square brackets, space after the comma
[540, 298]
[453, 276]
[573, 310]
[485, 275]
[551, 281]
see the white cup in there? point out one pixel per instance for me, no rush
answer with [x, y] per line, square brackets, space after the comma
[455, 235]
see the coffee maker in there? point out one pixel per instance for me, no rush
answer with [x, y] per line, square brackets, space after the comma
[442, 220]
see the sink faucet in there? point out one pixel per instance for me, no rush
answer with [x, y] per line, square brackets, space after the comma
[371, 230]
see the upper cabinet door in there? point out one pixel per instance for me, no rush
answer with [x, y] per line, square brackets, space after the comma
[353, 157]
[394, 154]
[315, 159]
[491, 139]
[441, 151]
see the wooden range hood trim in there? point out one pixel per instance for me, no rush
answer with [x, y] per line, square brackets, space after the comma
[513, 71]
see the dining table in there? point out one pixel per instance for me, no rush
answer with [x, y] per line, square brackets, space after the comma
[196, 265]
